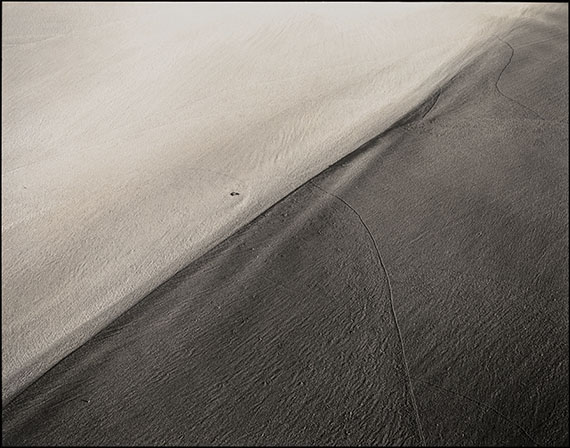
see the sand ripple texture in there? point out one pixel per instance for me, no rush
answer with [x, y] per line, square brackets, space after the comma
[126, 127]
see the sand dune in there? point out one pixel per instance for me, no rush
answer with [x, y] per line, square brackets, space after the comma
[416, 291]
[127, 126]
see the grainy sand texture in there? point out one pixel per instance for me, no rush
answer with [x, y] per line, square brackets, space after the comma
[393, 269]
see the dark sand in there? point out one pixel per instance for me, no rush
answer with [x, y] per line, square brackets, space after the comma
[289, 332]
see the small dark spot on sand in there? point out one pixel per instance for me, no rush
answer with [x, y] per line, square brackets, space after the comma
[85, 401]
[234, 193]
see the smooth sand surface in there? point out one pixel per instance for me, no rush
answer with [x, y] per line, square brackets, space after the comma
[126, 127]
[414, 292]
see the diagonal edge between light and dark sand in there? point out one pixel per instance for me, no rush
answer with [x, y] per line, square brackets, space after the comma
[421, 111]
[163, 192]
[286, 337]
[253, 349]
[43, 361]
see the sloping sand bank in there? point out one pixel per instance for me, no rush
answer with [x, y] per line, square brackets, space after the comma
[415, 292]
[126, 127]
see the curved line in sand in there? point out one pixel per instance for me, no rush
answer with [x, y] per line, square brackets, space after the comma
[481, 406]
[501, 74]
[391, 297]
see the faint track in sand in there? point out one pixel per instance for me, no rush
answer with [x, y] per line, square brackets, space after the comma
[482, 406]
[501, 74]
[391, 297]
